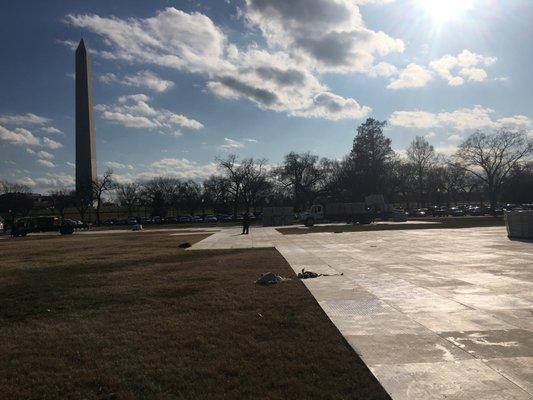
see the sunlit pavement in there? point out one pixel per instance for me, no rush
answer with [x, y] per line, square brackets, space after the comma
[435, 314]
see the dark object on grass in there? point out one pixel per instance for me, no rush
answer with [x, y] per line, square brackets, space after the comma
[310, 275]
[185, 245]
[270, 278]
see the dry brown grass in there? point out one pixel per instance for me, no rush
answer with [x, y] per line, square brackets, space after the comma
[131, 316]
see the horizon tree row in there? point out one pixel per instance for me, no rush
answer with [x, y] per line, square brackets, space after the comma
[487, 167]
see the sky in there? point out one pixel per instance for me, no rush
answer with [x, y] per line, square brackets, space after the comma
[177, 84]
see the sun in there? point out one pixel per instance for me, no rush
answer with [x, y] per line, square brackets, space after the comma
[446, 10]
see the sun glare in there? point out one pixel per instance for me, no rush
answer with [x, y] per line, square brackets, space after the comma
[446, 10]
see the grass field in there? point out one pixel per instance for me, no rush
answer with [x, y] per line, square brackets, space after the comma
[430, 223]
[132, 316]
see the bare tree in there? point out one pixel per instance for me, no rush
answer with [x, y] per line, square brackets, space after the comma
[216, 192]
[235, 178]
[61, 200]
[159, 193]
[15, 200]
[82, 204]
[191, 194]
[422, 155]
[100, 186]
[491, 157]
[256, 184]
[302, 174]
[128, 195]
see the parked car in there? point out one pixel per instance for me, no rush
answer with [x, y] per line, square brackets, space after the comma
[475, 210]
[399, 216]
[170, 220]
[418, 213]
[456, 212]
[184, 218]
[210, 218]
[441, 212]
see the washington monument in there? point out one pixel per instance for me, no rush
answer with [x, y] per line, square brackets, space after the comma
[85, 145]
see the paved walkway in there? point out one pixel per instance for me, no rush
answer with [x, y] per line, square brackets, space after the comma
[435, 314]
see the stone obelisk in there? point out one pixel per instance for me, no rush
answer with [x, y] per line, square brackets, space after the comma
[85, 144]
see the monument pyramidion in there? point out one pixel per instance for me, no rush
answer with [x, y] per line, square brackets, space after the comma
[85, 144]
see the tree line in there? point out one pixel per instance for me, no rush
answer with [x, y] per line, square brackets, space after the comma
[487, 167]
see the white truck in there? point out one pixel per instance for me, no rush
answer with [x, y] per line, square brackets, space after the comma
[361, 213]
[337, 212]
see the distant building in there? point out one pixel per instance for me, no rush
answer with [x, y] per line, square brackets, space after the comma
[85, 143]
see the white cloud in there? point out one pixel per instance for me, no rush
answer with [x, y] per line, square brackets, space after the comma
[455, 138]
[517, 121]
[51, 144]
[446, 150]
[330, 106]
[21, 137]
[45, 155]
[430, 135]
[70, 164]
[27, 181]
[71, 44]
[413, 119]
[133, 111]
[30, 151]
[108, 78]
[465, 66]
[231, 144]
[234, 144]
[327, 34]
[462, 119]
[18, 136]
[273, 81]
[143, 79]
[474, 74]
[383, 69]
[117, 165]
[55, 180]
[413, 76]
[51, 129]
[128, 120]
[45, 163]
[180, 168]
[280, 79]
[172, 38]
[502, 78]
[147, 79]
[23, 119]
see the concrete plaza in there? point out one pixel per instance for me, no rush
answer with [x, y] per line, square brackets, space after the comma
[435, 314]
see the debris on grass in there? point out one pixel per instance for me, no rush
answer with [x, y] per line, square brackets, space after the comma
[270, 278]
[185, 245]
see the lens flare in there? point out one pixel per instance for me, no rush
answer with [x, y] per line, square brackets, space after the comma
[445, 10]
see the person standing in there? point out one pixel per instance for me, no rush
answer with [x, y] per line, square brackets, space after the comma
[245, 224]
